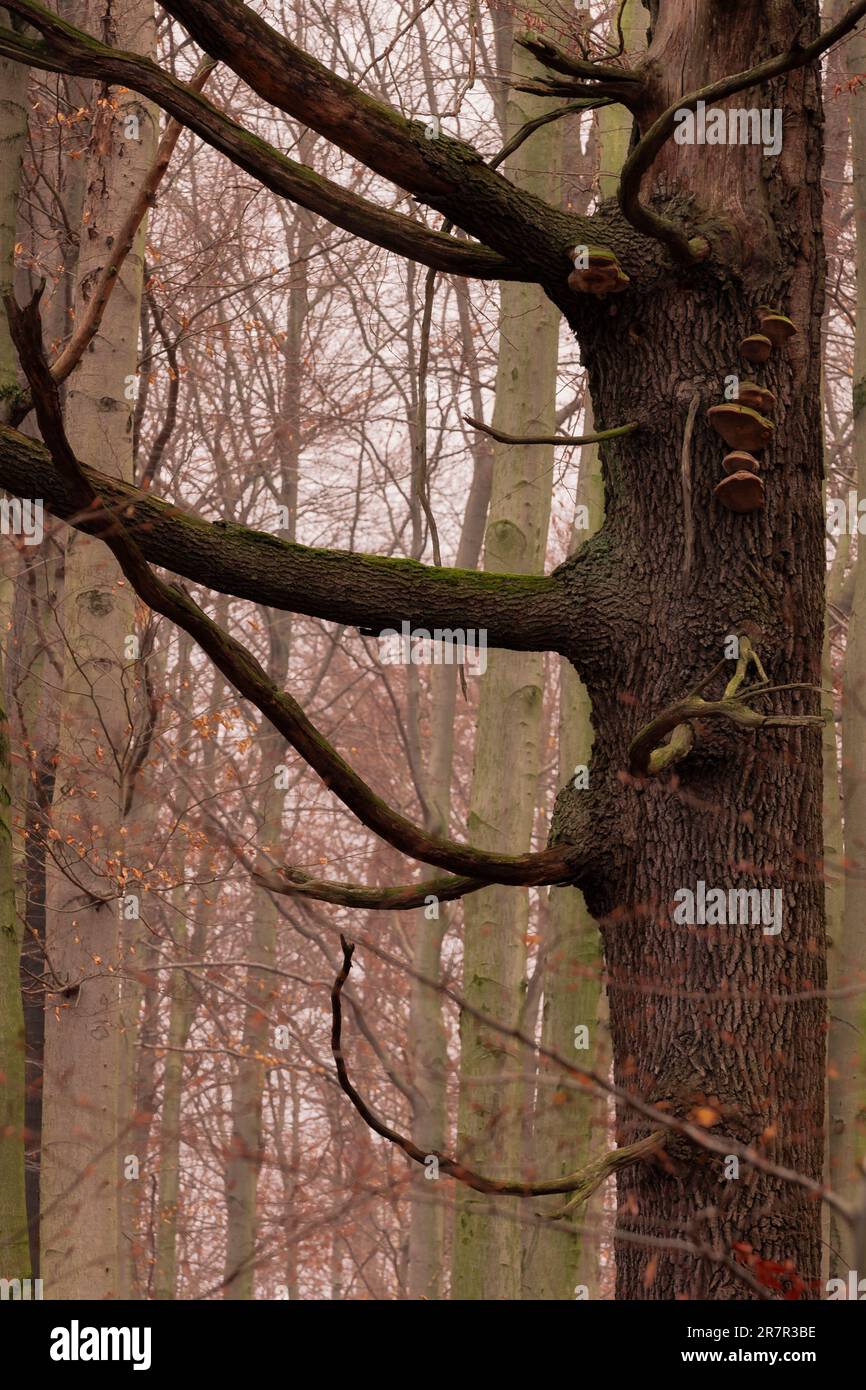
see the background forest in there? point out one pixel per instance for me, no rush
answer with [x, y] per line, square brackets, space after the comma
[173, 1125]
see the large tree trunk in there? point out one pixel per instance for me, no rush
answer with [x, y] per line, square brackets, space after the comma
[700, 1016]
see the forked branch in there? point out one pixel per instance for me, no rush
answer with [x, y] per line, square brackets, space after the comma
[649, 755]
[620, 84]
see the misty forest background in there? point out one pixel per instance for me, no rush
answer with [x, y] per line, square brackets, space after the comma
[282, 374]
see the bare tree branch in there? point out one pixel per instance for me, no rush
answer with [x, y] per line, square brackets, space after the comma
[69, 50]
[597, 438]
[518, 612]
[562, 863]
[583, 1183]
[292, 883]
[121, 245]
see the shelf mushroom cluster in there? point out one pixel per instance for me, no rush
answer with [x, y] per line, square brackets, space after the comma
[743, 423]
[596, 271]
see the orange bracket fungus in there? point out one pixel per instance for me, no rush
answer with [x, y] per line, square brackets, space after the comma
[756, 397]
[740, 462]
[596, 271]
[740, 492]
[740, 426]
[756, 348]
[777, 328]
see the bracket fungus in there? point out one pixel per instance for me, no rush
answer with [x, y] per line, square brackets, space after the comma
[777, 328]
[756, 348]
[740, 426]
[596, 271]
[740, 492]
[740, 462]
[756, 397]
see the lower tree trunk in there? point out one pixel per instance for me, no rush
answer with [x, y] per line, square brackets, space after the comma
[713, 1022]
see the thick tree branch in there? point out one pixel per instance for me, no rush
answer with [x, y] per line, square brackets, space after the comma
[582, 1183]
[445, 173]
[69, 50]
[645, 151]
[563, 863]
[520, 612]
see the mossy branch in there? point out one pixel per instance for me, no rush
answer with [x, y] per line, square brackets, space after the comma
[525, 612]
[561, 863]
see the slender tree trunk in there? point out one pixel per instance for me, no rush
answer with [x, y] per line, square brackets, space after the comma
[570, 1126]
[848, 956]
[82, 1139]
[14, 1245]
[13, 136]
[508, 753]
[246, 1152]
[426, 1040]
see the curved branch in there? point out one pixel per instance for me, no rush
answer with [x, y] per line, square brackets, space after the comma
[598, 438]
[69, 50]
[292, 883]
[582, 1183]
[645, 151]
[517, 612]
[529, 128]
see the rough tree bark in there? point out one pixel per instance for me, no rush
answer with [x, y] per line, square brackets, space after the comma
[700, 1015]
